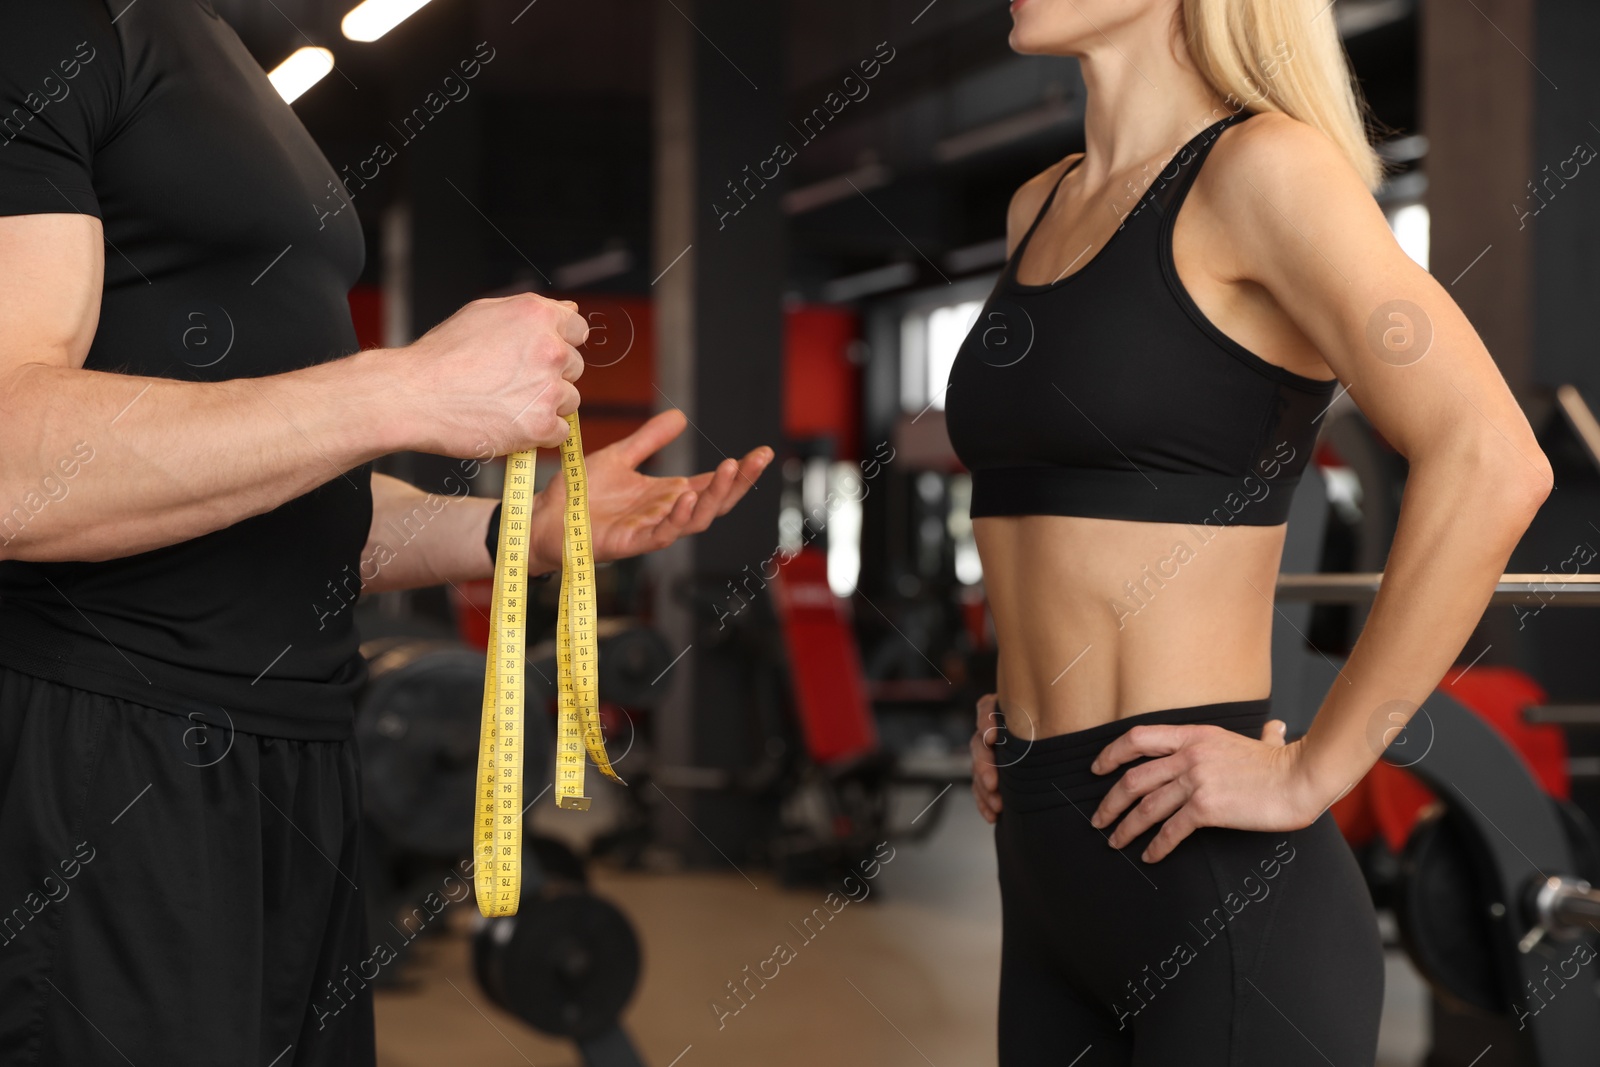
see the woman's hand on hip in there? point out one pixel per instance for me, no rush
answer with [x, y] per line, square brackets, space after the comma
[985, 776]
[1203, 776]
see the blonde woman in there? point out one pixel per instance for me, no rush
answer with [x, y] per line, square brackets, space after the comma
[1138, 400]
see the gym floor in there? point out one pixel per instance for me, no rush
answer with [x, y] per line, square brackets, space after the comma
[909, 978]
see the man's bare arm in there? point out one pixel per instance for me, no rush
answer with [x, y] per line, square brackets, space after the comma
[172, 460]
[420, 539]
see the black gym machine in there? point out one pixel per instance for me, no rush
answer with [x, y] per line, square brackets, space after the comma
[567, 963]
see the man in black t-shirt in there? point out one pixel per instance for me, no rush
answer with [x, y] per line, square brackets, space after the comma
[186, 507]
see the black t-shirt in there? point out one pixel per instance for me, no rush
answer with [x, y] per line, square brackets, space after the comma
[222, 261]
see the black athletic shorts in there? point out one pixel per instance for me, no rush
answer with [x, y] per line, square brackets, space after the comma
[173, 895]
[1239, 949]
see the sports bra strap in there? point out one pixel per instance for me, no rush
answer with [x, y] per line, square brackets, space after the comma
[1174, 188]
[1169, 195]
[1022, 245]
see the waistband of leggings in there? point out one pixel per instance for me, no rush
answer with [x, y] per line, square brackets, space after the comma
[1054, 770]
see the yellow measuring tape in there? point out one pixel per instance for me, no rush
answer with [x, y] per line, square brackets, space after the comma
[498, 831]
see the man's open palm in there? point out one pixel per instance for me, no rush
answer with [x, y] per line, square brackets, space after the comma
[631, 513]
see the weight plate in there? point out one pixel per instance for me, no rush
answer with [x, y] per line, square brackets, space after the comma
[556, 861]
[632, 658]
[631, 662]
[1582, 839]
[417, 727]
[1443, 915]
[565, 963]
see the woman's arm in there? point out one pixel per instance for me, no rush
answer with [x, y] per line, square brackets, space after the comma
[1290, 216]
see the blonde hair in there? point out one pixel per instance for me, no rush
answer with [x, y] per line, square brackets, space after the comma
[1286, 56]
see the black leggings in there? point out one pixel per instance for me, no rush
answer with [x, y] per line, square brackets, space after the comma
[1240, 949]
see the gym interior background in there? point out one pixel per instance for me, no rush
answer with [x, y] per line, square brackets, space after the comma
[781, 728]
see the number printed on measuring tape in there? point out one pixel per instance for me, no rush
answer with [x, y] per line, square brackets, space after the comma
[498, 833]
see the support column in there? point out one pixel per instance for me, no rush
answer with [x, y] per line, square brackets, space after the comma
[1513, 177]
[719, 93]
[1566, 233]
[1477, 112]
[436, 243]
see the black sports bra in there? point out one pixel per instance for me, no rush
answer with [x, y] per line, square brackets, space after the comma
[1109, 394]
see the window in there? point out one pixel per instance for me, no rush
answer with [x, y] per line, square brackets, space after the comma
[929, 340]
[1410, 226]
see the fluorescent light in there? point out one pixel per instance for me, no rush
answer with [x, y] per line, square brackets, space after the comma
[581, 272]
[1403, 149]
[1355, 17]
[878, 280]
[974, 257]
[1045, 116]
[809, 197]
[305, 68]
[372, 19]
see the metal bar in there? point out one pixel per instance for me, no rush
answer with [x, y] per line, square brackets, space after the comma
[1563, 714]
[909, 691]
[1585, 767]
[1556, 590]
[1581, 419]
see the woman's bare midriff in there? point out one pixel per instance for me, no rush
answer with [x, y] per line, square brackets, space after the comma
[1101, 619]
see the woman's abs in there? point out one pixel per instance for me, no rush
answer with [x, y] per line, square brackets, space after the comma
[1100, 619]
